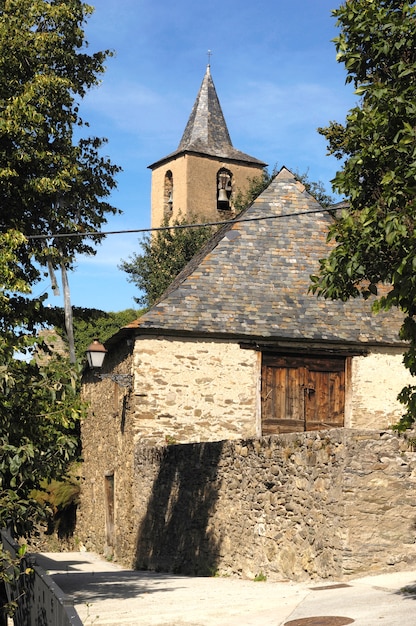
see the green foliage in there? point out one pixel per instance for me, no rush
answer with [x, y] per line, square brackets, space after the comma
[59, 495]
[91, 323]
[11, 569]
[60, 498]
[165, 253]
[49, 183]
[376, 238]
[39, 419]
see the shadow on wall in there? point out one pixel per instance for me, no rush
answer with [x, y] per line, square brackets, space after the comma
[175, 535]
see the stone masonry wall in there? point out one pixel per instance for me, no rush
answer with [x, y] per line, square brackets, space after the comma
[303, 506]
[379, 504]
[199, 390]
[376, 381]
[254, 498]
[108, 449]
[194, 390]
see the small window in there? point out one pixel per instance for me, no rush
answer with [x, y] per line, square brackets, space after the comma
[109, 507]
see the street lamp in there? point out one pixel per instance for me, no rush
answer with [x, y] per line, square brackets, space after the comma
[95, 354]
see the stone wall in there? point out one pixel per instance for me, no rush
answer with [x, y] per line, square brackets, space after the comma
[194, 390]
[107, 436]
[376, 381]
[379, 504]
[287, 505]
[311, 505]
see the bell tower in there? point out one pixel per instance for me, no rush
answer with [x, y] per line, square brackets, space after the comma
[201, 178]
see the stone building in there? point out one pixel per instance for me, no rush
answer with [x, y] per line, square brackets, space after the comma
[201, 178]
[236, 348]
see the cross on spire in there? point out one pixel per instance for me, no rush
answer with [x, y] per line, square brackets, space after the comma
[209, 54]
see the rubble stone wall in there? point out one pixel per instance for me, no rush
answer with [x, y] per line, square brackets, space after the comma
[107, 435]
[189, 390]
[304, 506]
[307, 505]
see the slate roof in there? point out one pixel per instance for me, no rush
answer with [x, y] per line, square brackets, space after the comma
[206, 131]
[252, 280]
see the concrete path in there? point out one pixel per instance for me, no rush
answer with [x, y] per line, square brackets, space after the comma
[106, 594]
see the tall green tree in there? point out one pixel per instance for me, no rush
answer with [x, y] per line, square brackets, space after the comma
[38, 409]
[375, 239]
[165, 254]
[39, 413]
[50, 183]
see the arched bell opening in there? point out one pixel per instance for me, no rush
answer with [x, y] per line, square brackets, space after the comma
[224, 189]
[168, 195]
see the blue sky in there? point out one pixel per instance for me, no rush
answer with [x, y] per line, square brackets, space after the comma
[276, 75]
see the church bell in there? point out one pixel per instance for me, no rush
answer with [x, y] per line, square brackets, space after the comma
[224, 186]
[222, 196]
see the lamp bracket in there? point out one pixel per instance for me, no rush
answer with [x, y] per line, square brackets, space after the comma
[123, 380]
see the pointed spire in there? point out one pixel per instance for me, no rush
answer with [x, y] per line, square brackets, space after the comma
[206, 129]
[206, 132]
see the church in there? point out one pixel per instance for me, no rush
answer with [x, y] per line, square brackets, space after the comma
[237, 348]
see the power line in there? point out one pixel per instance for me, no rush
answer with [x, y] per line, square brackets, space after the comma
[176, 226]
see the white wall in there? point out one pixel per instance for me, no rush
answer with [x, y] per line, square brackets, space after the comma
[376, 381]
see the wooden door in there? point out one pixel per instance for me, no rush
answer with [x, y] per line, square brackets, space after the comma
[301, 394]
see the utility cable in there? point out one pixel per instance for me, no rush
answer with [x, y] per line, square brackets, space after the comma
[178, 226]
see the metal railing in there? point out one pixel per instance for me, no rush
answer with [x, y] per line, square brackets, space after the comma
[39, 600]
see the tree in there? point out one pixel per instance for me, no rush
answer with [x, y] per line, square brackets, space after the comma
[375, 238]
[91, 323]
[38, 412]
[50, 184]
[165, 253]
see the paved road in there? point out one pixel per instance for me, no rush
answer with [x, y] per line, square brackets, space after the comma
[106, 594]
